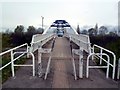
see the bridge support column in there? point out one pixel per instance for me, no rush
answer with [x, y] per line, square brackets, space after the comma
[39, 62]
[81, 63]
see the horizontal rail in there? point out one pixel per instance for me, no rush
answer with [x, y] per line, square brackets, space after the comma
[39, 40]
[13, 49]
[23, 65]
[97, 66]
[92, 66]
[81, 40]
[108, 51]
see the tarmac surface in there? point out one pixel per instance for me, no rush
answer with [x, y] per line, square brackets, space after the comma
[61, 71]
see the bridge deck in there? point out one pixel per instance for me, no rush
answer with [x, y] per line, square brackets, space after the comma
[61, 74]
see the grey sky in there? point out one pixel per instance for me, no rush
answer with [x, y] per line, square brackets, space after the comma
[82, 12]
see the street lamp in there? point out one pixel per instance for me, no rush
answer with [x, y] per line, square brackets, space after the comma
[42, 21]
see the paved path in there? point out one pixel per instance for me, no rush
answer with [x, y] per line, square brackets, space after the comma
[61, 73]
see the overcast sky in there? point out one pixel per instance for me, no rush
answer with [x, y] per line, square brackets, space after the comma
[82, 12]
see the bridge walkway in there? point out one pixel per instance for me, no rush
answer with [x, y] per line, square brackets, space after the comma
[61, 73]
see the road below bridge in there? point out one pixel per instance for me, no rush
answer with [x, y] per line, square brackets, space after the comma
[61, 72]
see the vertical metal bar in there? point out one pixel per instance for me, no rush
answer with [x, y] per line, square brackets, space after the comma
[81, 63]
[87, 67]
[12, 64]
[39, 62]
[107, 72]
[118, 72]
[93, 52]
[33, 57]
[114, 64]
[74, 69]
[101, 56]
[48, 67]
[28, 51]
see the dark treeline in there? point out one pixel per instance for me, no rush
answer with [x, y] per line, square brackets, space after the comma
[103, 40]
[109, 42]
[19, 36]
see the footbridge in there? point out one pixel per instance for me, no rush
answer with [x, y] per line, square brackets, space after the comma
[61, 58]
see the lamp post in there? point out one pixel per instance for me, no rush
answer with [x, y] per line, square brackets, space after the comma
[42, 21]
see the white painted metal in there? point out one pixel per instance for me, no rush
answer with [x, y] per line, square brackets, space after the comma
[39, 40]
[12, 64]
[114, 58]
[118, 72]
[97, 54]
[83, 42]
[74, 68]
[101, 51]
[40, 70]
[48, 67]
[81, 64]
[14, 59]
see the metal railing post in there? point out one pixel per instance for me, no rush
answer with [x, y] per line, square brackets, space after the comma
[33, 57]
[74, 68]
[107, 72]
[118, 72]
[101, 56]
[39, 62]
[81, 63]
[12, 64]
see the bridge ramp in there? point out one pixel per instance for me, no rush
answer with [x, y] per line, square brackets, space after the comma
[61, 73]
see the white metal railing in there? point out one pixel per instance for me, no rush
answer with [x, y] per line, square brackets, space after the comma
[100, 55]
[118, 72]
[83, 42]
[13, 59]
[39, 40]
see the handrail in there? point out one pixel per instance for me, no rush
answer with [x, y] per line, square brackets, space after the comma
[97, 54]
[39, 40]
[13, 49]
[14, 59]
[118, 71]
[114, 57]
[79, 40]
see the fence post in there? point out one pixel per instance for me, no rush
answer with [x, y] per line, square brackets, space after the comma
[118, 72]
[92, 52]
[101, 56]
[12, 64]
[39, 62]
[81, 63]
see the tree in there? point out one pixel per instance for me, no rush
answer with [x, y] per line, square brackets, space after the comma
[18, 35]
[112, 33]
[103, 30]
[92, 31]
[40, 30]
[96, 29]
[78, 29]
[31, 30]
[84, 31]
[19, 29]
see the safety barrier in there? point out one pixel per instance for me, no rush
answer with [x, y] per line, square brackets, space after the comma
[82, 41]
[13, 53]
[118, 71]
[100, 56]
[37, 42]
[84, 45]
